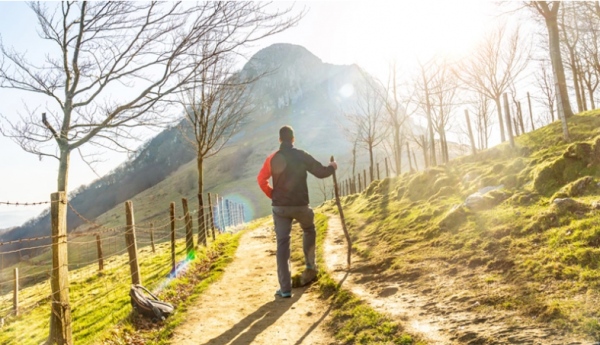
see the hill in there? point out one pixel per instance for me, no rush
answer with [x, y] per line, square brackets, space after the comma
[511, 235]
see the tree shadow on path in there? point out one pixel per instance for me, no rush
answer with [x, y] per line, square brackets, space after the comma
[245, 331]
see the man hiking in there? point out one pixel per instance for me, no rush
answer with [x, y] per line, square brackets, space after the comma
[289, 194]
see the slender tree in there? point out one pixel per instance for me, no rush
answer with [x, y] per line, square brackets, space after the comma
[214, 106]
[366, 116]
[549, 12]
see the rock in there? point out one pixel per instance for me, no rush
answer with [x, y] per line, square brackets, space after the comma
[474, 201]
[456, 216]
[568, 204]
[564, 202]
[489, 189]
[596, 205]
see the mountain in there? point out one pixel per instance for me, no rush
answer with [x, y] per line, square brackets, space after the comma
[296, 88]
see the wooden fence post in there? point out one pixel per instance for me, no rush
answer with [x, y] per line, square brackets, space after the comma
[60, 315]
[211, 212]
[131, 244]
[201, 221]
[508, 121]
[189, 229]
[100, 256]
[365, 177]
[222, 214]
[387, 169]
[152, 237]
[359, 184]
[415, 161]
[530, 112]
[371, 174]
[16, 293]
[172, 216]
[215, 210]
[473, 149]
[378, 171]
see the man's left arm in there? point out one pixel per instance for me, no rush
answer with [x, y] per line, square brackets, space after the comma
[316, 168]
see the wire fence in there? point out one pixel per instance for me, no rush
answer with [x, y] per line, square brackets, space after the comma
[99, 272]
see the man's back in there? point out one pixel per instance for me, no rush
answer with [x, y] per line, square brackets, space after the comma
[289, 167]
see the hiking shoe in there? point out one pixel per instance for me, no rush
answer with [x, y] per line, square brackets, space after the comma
[281, 294]
[308, 276]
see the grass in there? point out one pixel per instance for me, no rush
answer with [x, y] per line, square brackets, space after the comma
[352, 320]
[99, 301]
[517, 250]
[181, 292]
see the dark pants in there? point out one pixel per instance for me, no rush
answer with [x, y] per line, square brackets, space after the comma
[282, 218]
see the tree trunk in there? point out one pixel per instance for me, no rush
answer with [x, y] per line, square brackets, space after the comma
[354, 158]
[371, 162]
[500, 122]
[592, 104]
[201, 220]
[576, 80]
[398, 150]
[521, 122]
[408, 155]
[63, 170]
[557, 64]
[530, 112]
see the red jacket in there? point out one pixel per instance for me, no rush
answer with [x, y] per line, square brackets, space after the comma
[289, 167]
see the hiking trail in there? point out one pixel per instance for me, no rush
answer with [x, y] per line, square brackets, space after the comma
[425, 314]
[240, 308]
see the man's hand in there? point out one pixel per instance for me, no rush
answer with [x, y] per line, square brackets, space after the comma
[334, 165]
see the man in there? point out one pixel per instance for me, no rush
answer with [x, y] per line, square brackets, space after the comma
[289, 194]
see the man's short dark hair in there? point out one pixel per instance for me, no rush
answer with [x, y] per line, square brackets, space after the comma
[286, 134]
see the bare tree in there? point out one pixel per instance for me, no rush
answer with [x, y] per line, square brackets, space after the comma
[399, 107]
[569, 35]
[545, 83]
[483, 120]
[549, 11]
[444, 90]
[367, 116]
[117, 65]
[215, 104]
[494, 65]
[423, 85]
[325, 187]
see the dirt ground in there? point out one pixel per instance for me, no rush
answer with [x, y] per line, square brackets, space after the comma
[437, 320]
[241, 307]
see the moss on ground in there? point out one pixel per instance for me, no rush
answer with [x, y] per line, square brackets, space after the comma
[524, 251]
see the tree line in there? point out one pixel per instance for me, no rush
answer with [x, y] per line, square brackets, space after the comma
[481, 93]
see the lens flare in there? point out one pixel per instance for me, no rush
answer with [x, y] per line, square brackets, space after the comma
[347, 90]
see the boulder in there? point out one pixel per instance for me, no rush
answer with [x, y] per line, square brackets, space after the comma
[483, 199]
[456, 216]
[568, 204]
[489, 189]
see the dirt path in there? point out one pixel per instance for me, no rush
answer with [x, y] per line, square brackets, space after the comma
[241, 307]
[424, 313]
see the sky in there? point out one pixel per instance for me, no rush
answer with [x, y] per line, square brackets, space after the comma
[368, 33]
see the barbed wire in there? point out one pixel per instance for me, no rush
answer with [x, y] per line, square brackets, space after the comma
[27, 203]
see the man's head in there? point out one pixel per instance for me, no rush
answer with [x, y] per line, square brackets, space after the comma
[286, 134]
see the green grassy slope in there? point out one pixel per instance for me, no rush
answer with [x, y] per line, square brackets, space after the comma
[100, 300]
[518, 250]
